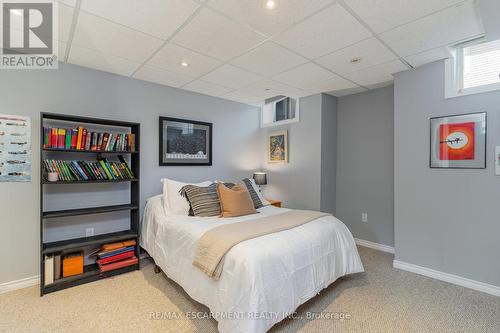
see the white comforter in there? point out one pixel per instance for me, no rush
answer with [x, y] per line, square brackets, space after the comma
[264, 279]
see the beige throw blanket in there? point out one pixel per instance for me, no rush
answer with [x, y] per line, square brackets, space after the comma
[216, 242]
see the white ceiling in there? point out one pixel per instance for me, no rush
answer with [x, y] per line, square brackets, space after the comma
[242, 51]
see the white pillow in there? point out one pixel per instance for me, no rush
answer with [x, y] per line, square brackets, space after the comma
[174, 203]
[256, 189]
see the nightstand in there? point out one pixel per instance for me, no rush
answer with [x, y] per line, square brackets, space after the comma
[275, 203]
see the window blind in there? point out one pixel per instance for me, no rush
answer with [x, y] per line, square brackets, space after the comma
[481, 64]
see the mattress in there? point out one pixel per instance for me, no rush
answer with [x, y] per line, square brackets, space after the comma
[264, 279]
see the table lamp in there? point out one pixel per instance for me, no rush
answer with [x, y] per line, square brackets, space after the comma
[260, 179]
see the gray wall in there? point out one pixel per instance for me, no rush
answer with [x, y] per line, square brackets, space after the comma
[328, 153]
[298, 182]
[365, 160]
[447, 220]
[80, 91]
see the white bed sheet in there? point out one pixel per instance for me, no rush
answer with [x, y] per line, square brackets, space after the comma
[264, 279]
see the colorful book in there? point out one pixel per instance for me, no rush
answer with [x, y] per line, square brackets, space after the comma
[106, 254]
[131, 142]
[88, 140]
[99, 141]
[93, 145]
[79, 138]
[117, 245]
[105, 140]
[61, 138]
[67, 144]
[116, 257]
[74, 138]
[118, 264]
[84, 139]
[49, 269]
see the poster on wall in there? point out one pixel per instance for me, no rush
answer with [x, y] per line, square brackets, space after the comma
[15, 148]
[458, 142]
[185, 142]
[278, 147]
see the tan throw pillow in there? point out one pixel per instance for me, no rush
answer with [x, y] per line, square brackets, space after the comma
[236, 201]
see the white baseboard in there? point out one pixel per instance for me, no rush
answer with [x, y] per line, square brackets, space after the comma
[375, 246]
[19, 284]
[450, 278]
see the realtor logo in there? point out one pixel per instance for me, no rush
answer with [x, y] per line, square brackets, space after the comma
[29, 34]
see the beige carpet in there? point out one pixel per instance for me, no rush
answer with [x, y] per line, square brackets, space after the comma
[381, 300]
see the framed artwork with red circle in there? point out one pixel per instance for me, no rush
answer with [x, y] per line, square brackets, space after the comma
[458, 141]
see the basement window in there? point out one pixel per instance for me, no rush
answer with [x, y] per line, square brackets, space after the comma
[280, 110]
[475, 68]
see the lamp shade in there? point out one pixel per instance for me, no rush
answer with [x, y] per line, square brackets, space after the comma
[260, 178]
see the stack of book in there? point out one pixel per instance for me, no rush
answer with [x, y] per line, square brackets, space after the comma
[116, 255]
[102, 169]
[52, 268]
[83, 139]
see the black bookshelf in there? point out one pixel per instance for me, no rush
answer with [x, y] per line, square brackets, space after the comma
[91, 272]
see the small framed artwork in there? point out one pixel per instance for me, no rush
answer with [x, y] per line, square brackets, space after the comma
[185, 142]
[459, 141]
[278, 147]
[15, 148]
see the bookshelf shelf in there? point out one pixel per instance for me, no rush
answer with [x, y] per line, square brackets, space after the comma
[46, 182]
[88, 211]
[62, 247]
[91, 273]
[90, 151]
[77, 243]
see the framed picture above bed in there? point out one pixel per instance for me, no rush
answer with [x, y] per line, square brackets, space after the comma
[277, 146]
[458, 142]
[185, 142]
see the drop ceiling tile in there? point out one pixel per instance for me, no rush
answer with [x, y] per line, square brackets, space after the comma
[159, 18]
[325, 32]
[382, 15]
[268, 59]
[449, 26]
[243, 98]
[377, 74]
[104, 62]
[269, 22]
[64, 17]
[65, 21]
[170, 56]
[371, 52]
[304, 76]
[346, 92]
[267, 88]
[217, 36]
[426, 57]
[335, 83]
[161, 76]
[206, 88]
[93, 32]
[231, 77]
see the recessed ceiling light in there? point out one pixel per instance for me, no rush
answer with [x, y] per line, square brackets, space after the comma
[356, 60]
[184, 64]
[270, 4]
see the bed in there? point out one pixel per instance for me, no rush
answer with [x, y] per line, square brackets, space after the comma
[264, 279]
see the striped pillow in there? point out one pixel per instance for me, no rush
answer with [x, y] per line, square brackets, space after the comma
[204, 201]
[257, 203]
